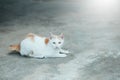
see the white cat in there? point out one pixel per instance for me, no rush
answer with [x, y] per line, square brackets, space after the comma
[41, 47]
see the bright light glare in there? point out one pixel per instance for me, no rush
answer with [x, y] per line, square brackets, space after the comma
[103, 7]
[104, 3]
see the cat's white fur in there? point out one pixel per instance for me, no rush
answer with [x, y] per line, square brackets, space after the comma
[39, 49]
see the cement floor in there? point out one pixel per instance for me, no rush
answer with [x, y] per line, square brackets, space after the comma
[91, 31]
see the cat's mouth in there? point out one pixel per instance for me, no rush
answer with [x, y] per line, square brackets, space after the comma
[56, 47]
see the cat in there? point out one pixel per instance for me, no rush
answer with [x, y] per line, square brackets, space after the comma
[41, 47]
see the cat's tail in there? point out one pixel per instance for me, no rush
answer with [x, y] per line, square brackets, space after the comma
[15, 47]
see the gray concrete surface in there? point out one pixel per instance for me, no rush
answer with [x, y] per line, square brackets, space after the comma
[91, 29]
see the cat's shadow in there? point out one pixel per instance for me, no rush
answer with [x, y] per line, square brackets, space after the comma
[15, 54]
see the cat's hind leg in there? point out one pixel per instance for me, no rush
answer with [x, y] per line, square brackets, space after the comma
[32, 55]
[36, 55]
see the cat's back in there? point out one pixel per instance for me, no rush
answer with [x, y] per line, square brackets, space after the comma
[33, 43]
[39, 40]
[33, 40]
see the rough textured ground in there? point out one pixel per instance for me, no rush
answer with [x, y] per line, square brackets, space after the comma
[91, 29]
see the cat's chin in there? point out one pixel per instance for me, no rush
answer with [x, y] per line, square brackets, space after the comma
[57, 48]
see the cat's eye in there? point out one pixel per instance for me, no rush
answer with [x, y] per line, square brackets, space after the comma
[59, 42]
[53, 42]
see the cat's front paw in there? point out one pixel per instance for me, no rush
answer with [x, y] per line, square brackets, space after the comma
[43, 57]
[62, 51]
[62, 55]
[67, 52]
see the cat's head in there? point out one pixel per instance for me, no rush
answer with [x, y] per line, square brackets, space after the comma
[56, 40]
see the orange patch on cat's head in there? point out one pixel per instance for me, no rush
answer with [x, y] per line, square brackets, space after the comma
[46, 40]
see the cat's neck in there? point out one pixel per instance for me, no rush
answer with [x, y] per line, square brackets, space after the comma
[46, 41]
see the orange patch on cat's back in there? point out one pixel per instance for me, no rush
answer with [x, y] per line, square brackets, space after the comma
[46, 41]
[31, 36]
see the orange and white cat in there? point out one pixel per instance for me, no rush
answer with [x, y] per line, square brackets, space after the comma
[41, 47]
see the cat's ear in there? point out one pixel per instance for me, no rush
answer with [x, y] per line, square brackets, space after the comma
[62, 35]
[51, 35]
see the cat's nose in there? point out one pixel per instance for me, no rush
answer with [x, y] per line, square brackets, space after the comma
[57, 47]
